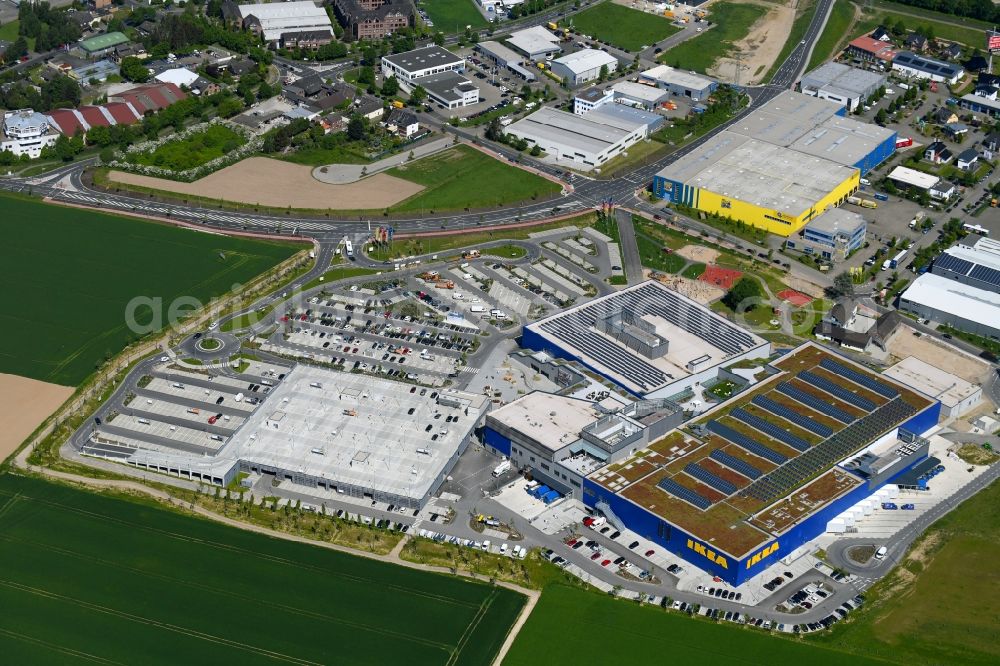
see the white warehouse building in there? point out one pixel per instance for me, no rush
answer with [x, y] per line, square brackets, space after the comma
[589, 140]
[271, 21]
[435, 69]
[26, 132]
[409, 66]
[843, 84]
[582, 66]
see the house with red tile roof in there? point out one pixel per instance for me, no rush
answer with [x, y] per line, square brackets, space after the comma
[125, 108]
[871, 50]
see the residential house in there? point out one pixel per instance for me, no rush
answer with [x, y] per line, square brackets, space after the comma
[86, 21]
[307, 86]
[402, 122]
[943, 115]
[309, 39]
[976, 64]
[203, 86]
[953, 51]
[240, 66]
[882, 34]
[871, 50]
[855, 326]
[373, 19]
[337, 96]
[133, 50]
[937, 153]
[369, 106]
[991, 146]
[967, 160]
[333, 123]
[146, 27]
[917, 42]
[987, 90]
[99, 4]
[955, 131]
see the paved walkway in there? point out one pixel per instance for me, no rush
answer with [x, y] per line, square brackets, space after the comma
[341, 174]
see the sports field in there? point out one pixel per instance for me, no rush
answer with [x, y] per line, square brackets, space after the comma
[628, 29]
[86, 578]
[463, 177]
[70, 275]
[571, 626]
[451, 16]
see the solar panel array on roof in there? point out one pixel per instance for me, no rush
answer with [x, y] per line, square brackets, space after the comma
[735, 464]
[576, 327]
[985, 274]
[686, 494]
[813, 402]
[783, 480]
[836, 391]
[860, 378]
[792, 416]
[745, 442]
[954, 264]
[703, 475]
[770, 429]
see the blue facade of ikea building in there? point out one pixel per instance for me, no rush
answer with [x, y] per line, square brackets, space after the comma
[737, 570]
[879, 154]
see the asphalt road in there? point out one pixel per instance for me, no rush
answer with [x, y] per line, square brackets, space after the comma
[586, 195]
[900, 542]
[629, 247]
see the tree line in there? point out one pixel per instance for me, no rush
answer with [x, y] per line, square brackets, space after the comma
[984, 10]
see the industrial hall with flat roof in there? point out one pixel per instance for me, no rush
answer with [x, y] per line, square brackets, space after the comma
[780, 167]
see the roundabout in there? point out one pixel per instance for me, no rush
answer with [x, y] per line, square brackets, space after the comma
[210, 347]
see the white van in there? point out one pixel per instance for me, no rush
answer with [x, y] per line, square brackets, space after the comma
[144, 421]
[477, 308]
[865, 181]
[880, 553]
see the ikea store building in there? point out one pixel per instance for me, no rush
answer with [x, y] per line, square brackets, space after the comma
[780, 167]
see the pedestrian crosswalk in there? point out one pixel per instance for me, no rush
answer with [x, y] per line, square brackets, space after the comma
[470, 370]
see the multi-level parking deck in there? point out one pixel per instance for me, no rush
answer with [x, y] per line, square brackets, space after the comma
[751, 469]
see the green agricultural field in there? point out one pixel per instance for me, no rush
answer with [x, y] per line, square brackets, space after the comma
[86, 578]
[566, 618]
[628, 29]
[463, 177]
[834, 34]
[451, 16]
[71, 274]
[193, 151]
[945, 614]
[732, 23]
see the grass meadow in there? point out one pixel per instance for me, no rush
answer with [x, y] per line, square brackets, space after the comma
[463, 177]
[732, 23]
[568, 618]
[628, 29]
[71, 274]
